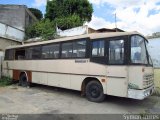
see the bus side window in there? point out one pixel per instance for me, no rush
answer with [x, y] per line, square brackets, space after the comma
[98, 48]
[33, 52]
[116, 52]
[29, 53]
[79, 49]
[50, 51]
[36, 52]
[66, 50]
[20, 54]
[98, 51]
[9, 54]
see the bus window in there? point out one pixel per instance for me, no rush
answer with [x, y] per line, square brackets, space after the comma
[98, 49]
[66, 50]
[138, 50]
[33, 52]
[79, 49]
[116, 52]
[50, 51]
[20, 54]
[9, 55]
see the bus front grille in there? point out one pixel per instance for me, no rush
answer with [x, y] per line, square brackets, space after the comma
[148, 80]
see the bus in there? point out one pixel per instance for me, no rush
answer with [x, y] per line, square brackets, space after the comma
[97, 64]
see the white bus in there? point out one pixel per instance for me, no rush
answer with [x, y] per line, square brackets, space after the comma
[97, 64]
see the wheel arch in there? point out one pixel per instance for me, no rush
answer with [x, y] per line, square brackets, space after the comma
[23, 72]
[86, 81]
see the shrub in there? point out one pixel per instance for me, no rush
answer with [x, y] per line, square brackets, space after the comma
[5, 81]
[44, 28]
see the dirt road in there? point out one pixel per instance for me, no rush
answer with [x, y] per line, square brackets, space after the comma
[50, 100]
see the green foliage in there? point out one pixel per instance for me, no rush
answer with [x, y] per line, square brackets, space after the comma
[63, 13]
[44, 28]
[37, 13]
[5, 81]
[68, 22]
[30, 31]
[69, 11]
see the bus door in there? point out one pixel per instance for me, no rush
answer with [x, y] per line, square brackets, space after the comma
[117, 69]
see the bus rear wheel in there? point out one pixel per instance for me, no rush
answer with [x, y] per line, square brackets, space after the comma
[94, 91]
[23, 80]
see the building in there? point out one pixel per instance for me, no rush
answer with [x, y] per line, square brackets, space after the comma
[154, 35]
[13, 21]
[76, 31]
[18, 16]
[85, 30]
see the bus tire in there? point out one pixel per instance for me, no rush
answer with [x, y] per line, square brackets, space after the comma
[23, 80]
[94, 92]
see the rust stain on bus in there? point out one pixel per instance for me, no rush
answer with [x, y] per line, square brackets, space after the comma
[29, 74]
[16, 74]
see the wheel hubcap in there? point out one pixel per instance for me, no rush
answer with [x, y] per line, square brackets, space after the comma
[94, 91]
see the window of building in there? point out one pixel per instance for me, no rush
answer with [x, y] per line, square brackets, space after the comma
[116, 52]
[98, 48]
[79, 49]
[50, 51]
[66, 50]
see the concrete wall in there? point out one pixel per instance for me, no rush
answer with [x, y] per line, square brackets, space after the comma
[73, 32]
[11, 32]
[1, 59]
[13, 15]
[16, 15]
[154, 51]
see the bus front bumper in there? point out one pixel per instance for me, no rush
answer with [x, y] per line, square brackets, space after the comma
[140, 94]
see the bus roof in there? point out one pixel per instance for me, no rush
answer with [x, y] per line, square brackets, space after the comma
[91, 36]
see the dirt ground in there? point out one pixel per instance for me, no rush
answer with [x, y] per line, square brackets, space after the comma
[50, 100]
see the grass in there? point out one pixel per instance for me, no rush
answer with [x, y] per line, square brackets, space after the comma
[157, 82]
[5, 81]
[157, 77]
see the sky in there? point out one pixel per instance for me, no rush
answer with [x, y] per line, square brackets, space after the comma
[131, 15]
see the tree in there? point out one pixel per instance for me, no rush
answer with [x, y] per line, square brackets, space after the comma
[44, 28]
[37, 13]
[68, 22]
[69, 13]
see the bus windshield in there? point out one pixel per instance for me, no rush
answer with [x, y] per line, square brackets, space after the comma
[138, 50]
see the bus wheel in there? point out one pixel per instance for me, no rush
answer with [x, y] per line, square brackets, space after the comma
[23, 81]
[94, 91]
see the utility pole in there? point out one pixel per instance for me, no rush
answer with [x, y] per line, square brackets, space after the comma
[116, 22]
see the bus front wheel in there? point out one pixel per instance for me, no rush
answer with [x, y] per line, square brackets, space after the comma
[94, 91]
[23, 80]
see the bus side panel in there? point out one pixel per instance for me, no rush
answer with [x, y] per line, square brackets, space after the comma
[76, 81]
[117, 87]
[64, 80]
[117, 84]
[135, 77]
[6, 71]
[40, 78]
[53, 79]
